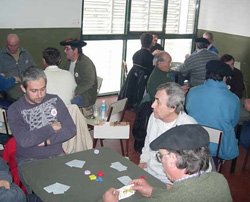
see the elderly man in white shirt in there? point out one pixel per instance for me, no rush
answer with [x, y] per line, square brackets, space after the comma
[59, 82]
[168, 113]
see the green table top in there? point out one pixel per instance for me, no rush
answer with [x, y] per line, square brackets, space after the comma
[46, 172]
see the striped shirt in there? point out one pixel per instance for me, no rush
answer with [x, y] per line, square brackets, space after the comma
[194, 67]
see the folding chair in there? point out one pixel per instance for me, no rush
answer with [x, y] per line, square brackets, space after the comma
[215, 136]
[5, 132]
[116, 113]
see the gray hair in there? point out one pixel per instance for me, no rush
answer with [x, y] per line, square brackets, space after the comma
[209, 34]
[159, 58]
[32, 74]
[176, 95]
[193, 160]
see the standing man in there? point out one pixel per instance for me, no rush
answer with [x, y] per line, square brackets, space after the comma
[194, 67]
[213, 105]
[13, 58]
[160, 74]
[83, 69]
[59, 82]
[40, 122]
[209, 36]
[184, 155]
[155, 46]
[168, 113]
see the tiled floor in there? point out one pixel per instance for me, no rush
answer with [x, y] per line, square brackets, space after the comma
[239, 182]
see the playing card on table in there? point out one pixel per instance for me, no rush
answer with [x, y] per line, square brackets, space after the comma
[118, 166]
[76, 163]
[126, 192]
[56, 188]
[124, 179]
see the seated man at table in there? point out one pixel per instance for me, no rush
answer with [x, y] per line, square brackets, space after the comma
[213, 105]
[40, 122]
[9, 191]
[184, 155]
[168, 113]
[59, 81]
[160, 74]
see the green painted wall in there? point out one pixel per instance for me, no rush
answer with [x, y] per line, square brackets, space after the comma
[238, 47]
[36, 40]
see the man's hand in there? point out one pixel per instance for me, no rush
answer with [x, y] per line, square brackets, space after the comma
[156, 52]
[142, 186]
[110, 196]
[42, 144]
[2, 74]
[56, 125]
[5, 184]
[185, 88]
[142, 165]
[247, 104]
[17, 79]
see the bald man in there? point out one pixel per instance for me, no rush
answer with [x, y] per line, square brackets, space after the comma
[13, 58]
[160, 74]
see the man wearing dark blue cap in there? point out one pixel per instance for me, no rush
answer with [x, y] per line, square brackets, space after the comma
[184, 154]
[194, 67]
[83, 70]
[213, 105]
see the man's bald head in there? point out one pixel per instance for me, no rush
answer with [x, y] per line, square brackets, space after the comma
[12, 43]
[162, 60]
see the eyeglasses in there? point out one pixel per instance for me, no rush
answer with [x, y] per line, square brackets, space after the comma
[159, 156]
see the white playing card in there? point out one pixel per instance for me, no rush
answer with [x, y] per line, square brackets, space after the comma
[126, 192]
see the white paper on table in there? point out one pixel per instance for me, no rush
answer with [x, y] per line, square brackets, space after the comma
[124, 179]
[118, 166]
[126, 192]
[56, 188]
[76, 163]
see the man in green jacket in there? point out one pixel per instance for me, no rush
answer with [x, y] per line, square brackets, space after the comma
[160, 74]
[83, 70]
[184, 154]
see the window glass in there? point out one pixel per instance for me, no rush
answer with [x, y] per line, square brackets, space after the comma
[178, 48]
[107, 57]
[132, 47]
[180, 17]
[146, 15]
[104, 16]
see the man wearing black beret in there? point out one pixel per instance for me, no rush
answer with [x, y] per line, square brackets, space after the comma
[83, 70]
[184, 154]
[194, 67]
[213, 105]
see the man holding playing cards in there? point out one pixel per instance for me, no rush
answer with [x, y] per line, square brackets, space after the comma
[184, 154]
[40, 122]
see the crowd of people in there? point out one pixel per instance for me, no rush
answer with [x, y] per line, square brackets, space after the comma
[175, 148]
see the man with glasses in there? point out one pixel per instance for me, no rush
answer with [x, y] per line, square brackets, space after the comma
[184, 155]
[168, 112]
[83, 70]
[13, 58]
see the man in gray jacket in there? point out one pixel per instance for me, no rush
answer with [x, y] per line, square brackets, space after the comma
[13, 58]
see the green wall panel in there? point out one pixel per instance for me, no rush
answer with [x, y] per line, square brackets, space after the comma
[238, 47]
[36, 40]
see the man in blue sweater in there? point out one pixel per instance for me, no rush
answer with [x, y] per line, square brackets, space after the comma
[213, 105]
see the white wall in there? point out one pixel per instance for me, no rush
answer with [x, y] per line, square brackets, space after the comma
[227, 16]
[40, 13]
